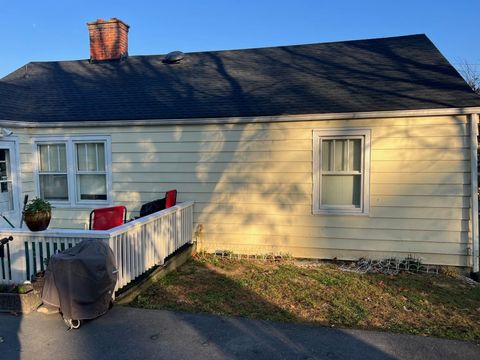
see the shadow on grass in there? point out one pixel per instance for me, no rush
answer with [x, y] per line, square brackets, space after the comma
[199, 288]
[195, 287]
[408, 303]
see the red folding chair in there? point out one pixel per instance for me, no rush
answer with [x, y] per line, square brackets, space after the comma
[170, 198]
[107, 218]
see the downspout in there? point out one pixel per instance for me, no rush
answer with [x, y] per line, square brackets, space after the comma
[474, 190]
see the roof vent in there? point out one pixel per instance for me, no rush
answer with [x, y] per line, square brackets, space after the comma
[174, 57]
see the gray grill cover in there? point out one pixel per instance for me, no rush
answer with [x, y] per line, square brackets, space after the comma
[80, 280]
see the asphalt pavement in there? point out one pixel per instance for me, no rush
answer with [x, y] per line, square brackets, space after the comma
[127, 333]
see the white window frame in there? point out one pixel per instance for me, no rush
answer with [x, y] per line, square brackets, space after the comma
[318, 135]
[70, 141]
[50, 172]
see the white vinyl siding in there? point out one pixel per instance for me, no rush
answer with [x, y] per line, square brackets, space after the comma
[341, 169]
[73, 171]
[253, 185]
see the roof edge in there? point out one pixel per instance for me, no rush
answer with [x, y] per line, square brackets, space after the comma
[245, 120]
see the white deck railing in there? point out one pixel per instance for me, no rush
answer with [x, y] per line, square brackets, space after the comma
[138, 245]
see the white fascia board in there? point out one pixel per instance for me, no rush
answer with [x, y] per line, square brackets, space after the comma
[242, 120]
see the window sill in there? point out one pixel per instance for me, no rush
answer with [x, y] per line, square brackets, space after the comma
[92, 205]
[339, 212]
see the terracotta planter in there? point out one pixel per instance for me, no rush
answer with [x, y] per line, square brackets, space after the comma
[38, 221]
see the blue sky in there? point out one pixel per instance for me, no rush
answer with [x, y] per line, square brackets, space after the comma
[40, 30]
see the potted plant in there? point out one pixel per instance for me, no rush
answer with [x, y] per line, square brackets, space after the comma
[37, 214]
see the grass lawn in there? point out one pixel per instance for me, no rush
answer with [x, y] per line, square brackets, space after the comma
[431, 305]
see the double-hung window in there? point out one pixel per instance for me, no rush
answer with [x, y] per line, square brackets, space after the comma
[73, 170]
[90, 171]
[341, 171]
[52, 171]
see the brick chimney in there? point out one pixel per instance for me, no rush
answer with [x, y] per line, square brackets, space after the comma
[108, 39]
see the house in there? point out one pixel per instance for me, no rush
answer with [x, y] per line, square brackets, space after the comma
[347, 149]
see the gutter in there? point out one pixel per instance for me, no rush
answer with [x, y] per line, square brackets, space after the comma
[244, 120]
[474, 190]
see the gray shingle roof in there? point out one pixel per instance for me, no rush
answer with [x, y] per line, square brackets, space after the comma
[398, 73]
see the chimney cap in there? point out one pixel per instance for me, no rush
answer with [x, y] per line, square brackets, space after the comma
[111, 21]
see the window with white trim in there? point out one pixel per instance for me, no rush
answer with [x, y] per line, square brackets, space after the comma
[73, 170]
[52, 171]
[91, 175]
[341, 171]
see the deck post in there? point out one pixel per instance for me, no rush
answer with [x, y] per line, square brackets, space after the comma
[17, 260]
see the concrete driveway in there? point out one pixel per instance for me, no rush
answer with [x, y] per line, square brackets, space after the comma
[127, 333]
